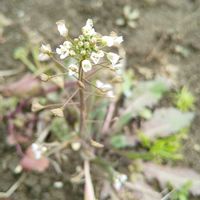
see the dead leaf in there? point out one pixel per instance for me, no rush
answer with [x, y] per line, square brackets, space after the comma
[108, 192]
[58, 80]
[166, 121]
[122, 141]
[28, 85]
[143, 191]
[58, 112]
[16, 138]
[146, 94]
[176, 176]
[36, 106]
[29, 162]
[96, 144]
[44, 77]
[4, 21]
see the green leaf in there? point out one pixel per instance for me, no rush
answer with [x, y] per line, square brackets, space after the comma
[122, 121]
[35, 50]
[184, 100]
[137, 155]
[127, 84]
[119, 141]
[146, 113]
[60, 129]
[167, 148]
[122, 141]
[8, 103]
[144, 140]
[105, 165]
[183, 192]
[164, 149]
[98, 113]
[21, 53]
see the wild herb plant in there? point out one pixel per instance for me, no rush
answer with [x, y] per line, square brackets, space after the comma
[86, 53]
[84, 58]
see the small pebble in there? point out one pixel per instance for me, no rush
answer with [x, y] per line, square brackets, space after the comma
[76, 146]
[58, 184]
[196, 147]
[18, 169]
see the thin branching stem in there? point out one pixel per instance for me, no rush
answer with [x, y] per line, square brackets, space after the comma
[82, 104]
[70, 98]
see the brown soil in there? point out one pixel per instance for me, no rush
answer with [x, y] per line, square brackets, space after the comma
[161, 26]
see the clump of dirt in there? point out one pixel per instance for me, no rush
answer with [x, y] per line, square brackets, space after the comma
[162, 27]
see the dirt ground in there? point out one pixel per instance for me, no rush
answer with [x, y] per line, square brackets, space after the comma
[163, 25]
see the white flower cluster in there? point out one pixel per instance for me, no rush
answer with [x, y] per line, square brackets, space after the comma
[87, 49]
[119, 181]
[38, 150]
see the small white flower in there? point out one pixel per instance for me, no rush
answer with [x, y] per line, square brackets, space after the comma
[119, 66]
[112, 40]
[109, 41]
[119, 180]
[101, 53]
[86, 65]
[62, 52]
[62, 28]
[67, 44]
[95, 57]
[45, 48]
[117, 184]
[123, 178]
[118, 40]
[73, 70]
[113, 58]
[64, 49]
[89, 22]
[43, 57]
[38, 150]
[45, 51]
[88, 28]
[103, 86]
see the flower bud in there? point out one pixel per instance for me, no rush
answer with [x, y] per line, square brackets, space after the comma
[81, 84]
[46, 49]
[62, 28]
